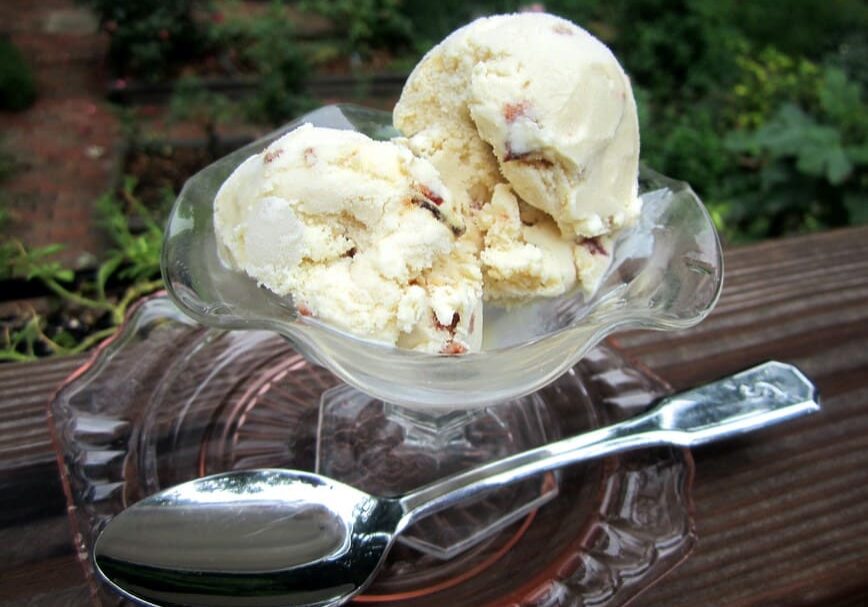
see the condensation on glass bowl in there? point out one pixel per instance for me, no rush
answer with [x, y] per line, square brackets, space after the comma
[666, 275]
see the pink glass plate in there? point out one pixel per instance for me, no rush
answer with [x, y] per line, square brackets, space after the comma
[167, 400]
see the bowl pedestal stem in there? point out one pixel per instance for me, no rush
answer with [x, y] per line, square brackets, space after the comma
[387, 449]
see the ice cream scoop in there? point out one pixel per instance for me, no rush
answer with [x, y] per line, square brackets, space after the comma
[360, 233]
[536, 102]
[558, 111]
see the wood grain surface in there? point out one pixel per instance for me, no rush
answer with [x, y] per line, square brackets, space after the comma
[782, 515]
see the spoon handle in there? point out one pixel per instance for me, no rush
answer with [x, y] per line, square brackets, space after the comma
[761, 396]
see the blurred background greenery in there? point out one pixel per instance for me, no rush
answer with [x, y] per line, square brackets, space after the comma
[759, 104]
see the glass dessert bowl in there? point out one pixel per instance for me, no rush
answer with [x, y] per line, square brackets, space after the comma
[446, 413]
[666, 274]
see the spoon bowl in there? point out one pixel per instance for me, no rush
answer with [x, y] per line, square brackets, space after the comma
[230, 535]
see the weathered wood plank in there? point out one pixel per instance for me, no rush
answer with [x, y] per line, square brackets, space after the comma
[782, 515]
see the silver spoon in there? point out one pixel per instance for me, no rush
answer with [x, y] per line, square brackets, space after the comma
[276, 538]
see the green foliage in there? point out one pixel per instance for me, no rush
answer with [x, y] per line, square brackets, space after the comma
[133, 265]
[282, 68]
[192, 102]
[433, 20]
[267, 45]
[687, 145]
[851, 57]
[17, 87]
[366, 25]
[769, 79]
[809, 161]
[148, 36]
[20, 345]
[36, 264]
[8, 165]
[807, 28]
[773, 141]
[136, 256]
[673, 48]
[816, 149]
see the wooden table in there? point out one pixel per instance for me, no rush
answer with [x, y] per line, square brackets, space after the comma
[782, 515]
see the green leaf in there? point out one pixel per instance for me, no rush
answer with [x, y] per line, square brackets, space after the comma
[130, 183]
[774, 174]
[856, 204]
[742, 141]
[812, 160]
[106, 269]
[840, 97]
[65, 339]
[858, 154]
[46, 250]
[838, 166]
[64, 275]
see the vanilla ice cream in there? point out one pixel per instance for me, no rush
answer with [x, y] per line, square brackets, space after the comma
[523, 251]
[534, 101]
[433, 114]
[559, 113]
[517, 166]
[361, 233]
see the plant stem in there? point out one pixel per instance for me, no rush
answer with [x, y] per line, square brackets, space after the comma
[91, 340]
[15, 357]
[55, 347]
[133, 292]
[75, 297]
